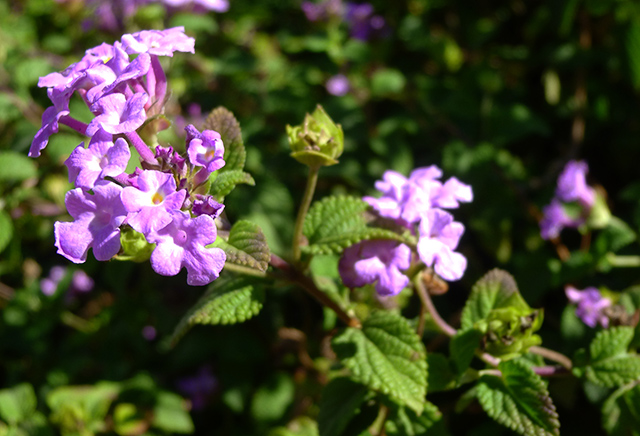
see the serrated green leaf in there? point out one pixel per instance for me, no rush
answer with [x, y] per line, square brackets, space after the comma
[387, 356]
[620, 414]
[225, 123]
[17, 403]
[337, 243]
[335, 223]
[496, 289]
[340, 402]
[6, 230]
[246, 246]
[16, 167]
[228, 300]
[463, 347]
[226, 181]
[610, 363]
[519, 400]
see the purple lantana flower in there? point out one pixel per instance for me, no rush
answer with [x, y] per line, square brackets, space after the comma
[205, 149]
[338, 85]
[207, 205]
[118, 114]
[150, 203]
[408, 199]
[50, 119]
[591, 305]
[376, 261]
[439, 236]
[182, 244]
[103, 158]
[572, 184]
[158, 42]
[97, 220]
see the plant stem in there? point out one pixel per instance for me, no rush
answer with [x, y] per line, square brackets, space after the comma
[295, 276]
[623, 261]
[145, 152]
[312, 180]
[428, 304]
[552, 355]
[76, 125]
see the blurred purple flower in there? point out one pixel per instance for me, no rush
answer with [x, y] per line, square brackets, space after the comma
[338, 85]
[572, 184]
[591, 305]
[49, 285]
[149, 332]
[81, 282]
[158, 42]
[198, 387]
[555, 219]
[211, 5]
[362, 22]
[376, 261]
[323, 10]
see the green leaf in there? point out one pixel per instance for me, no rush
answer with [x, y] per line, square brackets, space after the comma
[633, 51]
[6, 230]
[340, 402]
[335, 223]
[611, 365]
[519, 400]
[620, 412]
[615, 236]
[388, 356]
[463, 347]
[402, 422]
[441, 375]
[228, 300]
[226, 181]
[16, 167]
[225, 123]
[246, 246]
[17, 403]
[170, 414]
[496, 289]
[272, 399]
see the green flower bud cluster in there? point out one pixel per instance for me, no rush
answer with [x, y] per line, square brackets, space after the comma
[509, 332]
[318, 141]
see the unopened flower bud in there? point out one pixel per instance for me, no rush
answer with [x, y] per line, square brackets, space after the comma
[318, 141]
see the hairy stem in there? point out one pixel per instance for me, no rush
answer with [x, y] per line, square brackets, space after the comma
[145, 152]
[428, 305]
[312, 180]
[76, 125]
[293, 275]
[552, 355]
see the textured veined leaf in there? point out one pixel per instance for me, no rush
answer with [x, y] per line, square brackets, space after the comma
[519, 400]
[621, 411]
[225, 123]
[387, 356]
[403, 422]
[246, 246]
[611, 364]
[226, 181]
[463, 347]
[494, 290]
[229, 300]
[337, 243]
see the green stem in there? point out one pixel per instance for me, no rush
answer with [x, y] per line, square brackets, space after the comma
[302, 212]
[623, 261]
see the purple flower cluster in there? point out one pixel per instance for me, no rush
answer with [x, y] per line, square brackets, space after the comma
[111, 15]
[124, 85]
[80, 281]
[572, 203]
[417, 203]
[591, 305]
[198, 387]
[363, 23]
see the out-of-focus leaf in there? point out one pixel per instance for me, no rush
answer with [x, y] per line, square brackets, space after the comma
[340, 402]
[405, 422]
[388, 356]
[387, 81]
[170, 414]
[272, 399]
[621, 413]
[16, 167]
[6, 230]
[17, 403]
[610, 363]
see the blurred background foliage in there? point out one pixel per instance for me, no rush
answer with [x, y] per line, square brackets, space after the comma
[499, 94]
